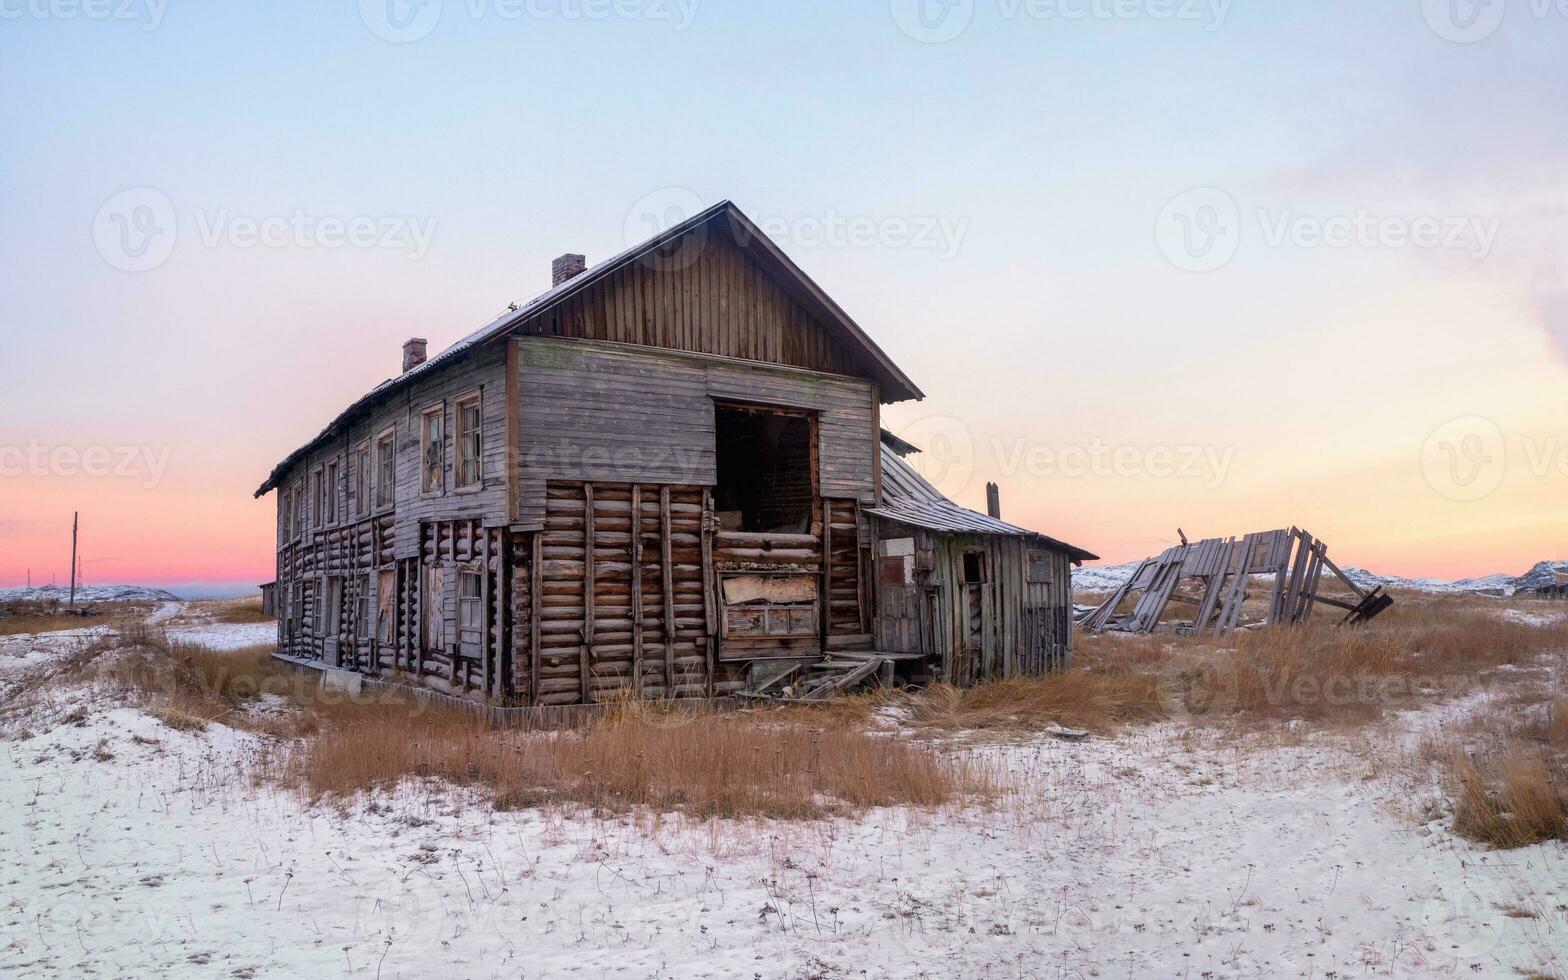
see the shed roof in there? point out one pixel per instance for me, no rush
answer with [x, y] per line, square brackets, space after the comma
[908, 498]
[895, 384]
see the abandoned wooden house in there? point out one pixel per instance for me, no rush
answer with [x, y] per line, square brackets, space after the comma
[665, 477]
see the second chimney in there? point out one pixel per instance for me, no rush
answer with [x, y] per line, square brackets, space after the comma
[414, 353]
[568, 266]
[993, 500]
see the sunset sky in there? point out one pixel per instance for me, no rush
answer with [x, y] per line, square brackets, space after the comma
[1243, 266]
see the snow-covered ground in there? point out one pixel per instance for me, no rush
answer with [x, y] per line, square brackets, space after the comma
[87, 593]
[129, 848]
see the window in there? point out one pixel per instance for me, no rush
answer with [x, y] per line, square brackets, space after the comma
[386, 468]
[470, 609]
[974, 568]
[385, 604]
[470, 442]
[432, 471]
[299, 509]
[363, 621]
[332, 616]
[361, 485]
[330, 488]
[766, 476]
[318, 503]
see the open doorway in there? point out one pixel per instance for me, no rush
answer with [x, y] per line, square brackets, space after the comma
[766, 468]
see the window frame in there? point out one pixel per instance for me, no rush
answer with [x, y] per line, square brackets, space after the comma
[388, 498]
[475, 399]
[317, 501]
[438, 411]
[332, 478]
[359, 458]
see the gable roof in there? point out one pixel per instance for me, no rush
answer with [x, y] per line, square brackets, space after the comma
[909, 499]
[895, 385]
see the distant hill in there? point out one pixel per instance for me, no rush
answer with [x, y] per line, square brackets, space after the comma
[88, 593]
[1108, 578]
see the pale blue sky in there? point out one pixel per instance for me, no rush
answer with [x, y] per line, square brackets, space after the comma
[1054, 318]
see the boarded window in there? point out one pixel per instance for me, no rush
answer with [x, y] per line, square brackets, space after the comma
[333, 613]
[893, 571]
[363, 604]
[386, 468]
[435, 617]
[1039, 568]
[470, 442]
[386, 604]
[432, 474]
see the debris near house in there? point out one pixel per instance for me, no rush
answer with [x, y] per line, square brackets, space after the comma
[1215, 578]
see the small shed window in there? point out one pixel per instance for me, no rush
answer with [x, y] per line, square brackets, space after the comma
[974, 568]
[1039, 568]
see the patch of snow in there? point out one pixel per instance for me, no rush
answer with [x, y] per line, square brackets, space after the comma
[88, 593]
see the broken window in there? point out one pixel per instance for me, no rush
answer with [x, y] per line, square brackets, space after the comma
[470, 442]
[330, 488]
[361, 484]
[432, 477]
[386, 468]
[766, 471]
[974, 568]
[386, 601]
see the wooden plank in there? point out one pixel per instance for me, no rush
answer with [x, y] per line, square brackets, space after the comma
[709, 586]
[536, 611]
[585, 654]
[667, 571]
[486, 681]
[636, 598]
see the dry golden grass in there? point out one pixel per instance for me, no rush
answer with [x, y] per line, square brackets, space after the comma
[704, 765]
[247, 610]
[41, 617]
[1513, 799]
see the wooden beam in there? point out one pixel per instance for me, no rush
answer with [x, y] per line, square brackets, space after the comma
[637, 615]
[535, 610]
[668, 574]
[585, 651]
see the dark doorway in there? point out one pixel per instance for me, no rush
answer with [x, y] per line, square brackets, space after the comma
[767, 476]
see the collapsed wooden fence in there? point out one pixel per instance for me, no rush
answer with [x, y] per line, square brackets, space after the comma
[1215, 578]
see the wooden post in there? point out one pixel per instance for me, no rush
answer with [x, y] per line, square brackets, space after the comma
[485, 657]
[74, 515]
[710, 590]
[669, 591]
[535, 610]
[824, 626]
[585, 652]
[636, 585]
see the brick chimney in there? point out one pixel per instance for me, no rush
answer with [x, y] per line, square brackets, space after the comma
[568, 266]
[414, 353]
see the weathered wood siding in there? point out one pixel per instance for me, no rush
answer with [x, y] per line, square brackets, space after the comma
[595, 412]
[705, 296]
[1007, 626]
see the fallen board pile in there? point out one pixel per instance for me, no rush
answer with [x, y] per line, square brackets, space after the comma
[1215, 577]
[825, 679]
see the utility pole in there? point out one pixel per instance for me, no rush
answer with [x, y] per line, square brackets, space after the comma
[74, 515]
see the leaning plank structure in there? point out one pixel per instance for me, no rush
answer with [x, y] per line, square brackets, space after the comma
[664, 477]
[1212, 580]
